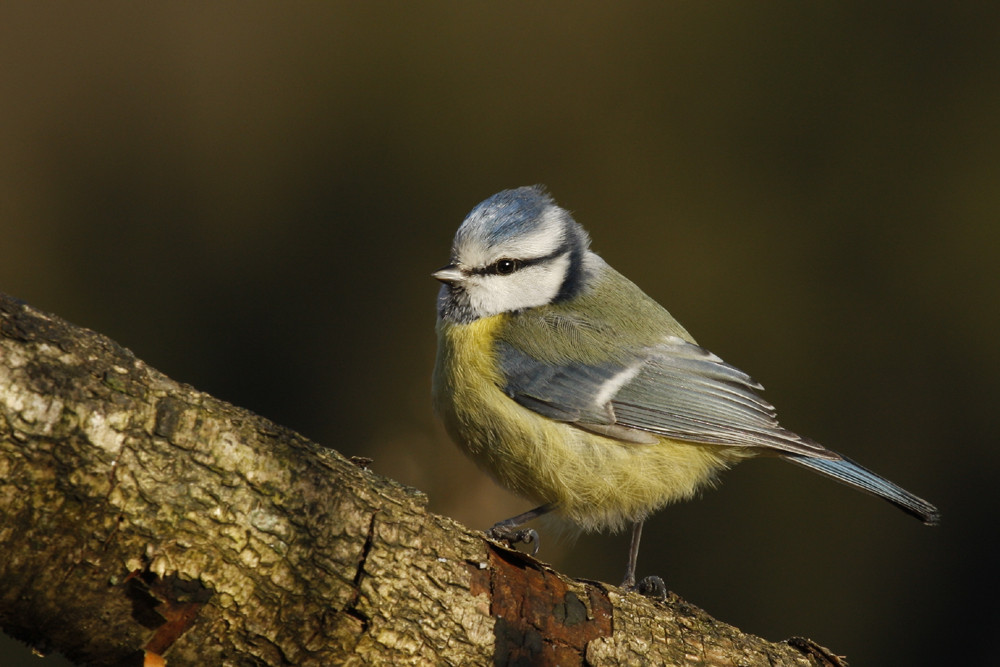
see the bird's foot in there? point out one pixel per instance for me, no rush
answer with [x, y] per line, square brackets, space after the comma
[651, 587]
[513, 535]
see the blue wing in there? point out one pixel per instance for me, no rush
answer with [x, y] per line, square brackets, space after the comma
[674, 389]
[681, 391]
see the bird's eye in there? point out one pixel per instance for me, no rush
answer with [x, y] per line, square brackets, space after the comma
[505, 267]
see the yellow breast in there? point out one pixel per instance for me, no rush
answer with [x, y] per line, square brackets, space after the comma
[597, 482]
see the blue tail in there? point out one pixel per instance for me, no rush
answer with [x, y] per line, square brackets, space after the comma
[852, 474]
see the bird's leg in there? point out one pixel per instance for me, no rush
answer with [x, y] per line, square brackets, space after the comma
[508, 530]
[633, 555]
[651, 586]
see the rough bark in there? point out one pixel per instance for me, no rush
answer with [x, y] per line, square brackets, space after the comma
[139, 516]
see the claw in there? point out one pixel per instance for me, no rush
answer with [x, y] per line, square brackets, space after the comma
[652, 587]
[512, 535]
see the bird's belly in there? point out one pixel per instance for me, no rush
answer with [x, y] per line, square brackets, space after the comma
[597, 482]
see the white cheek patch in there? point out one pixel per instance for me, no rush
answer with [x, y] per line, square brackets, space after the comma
[531, 286]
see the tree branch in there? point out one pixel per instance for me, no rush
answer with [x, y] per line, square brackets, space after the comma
[139, 516]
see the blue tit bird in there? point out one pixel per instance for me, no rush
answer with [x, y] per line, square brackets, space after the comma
[570, 386]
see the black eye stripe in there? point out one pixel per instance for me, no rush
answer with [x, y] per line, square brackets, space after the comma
[508, 265]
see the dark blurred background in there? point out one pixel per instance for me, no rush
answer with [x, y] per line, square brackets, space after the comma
[251, 196]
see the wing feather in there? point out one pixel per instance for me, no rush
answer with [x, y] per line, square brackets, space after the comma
[674, 389]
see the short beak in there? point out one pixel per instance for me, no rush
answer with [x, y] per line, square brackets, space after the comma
[449, 275]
